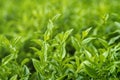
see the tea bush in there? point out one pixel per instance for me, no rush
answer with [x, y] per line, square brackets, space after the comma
[59, 40]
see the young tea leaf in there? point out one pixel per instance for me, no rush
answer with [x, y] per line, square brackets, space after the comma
[75, 43]
[37, 65]
[85, 33]
[13, 77]
[66, 34]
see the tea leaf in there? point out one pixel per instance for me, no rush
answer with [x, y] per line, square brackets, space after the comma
[85, 33]
[13, 77]
[37, 65]
[90, 71]
[75, 43]
[87, 40]
[66, 34]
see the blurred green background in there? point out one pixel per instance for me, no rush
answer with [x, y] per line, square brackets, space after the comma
[24, 17]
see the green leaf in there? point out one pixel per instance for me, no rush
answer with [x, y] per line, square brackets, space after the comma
[56, 17]
[37, 65]
[8, 58]
[103, 42]
[87, 40]
[70, 67]
[35, 49]
[45, 51]
[112, 68]
[41, 56]
[88, 54]
[67, 60]
[13, 77]
[48, 33]
[38, 41]
[62, 77]
[106, 53]
[25, 61]
[77, 61]
[105, 18]
[26, 71]
[17, 39]
[63, 51]
[66, 34]
[90, 71]
[113, 40]
[5, 41]
[79, 68]
[40, 77]
[85, 33]
[75, 43]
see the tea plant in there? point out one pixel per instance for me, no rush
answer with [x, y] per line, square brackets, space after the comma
[59, 40]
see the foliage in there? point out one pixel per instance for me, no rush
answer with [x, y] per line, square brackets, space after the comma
[59, 40]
